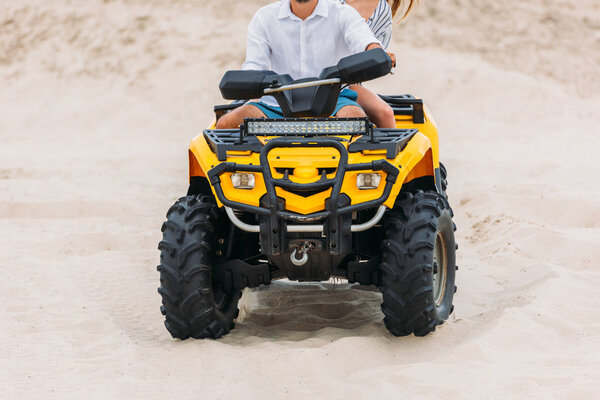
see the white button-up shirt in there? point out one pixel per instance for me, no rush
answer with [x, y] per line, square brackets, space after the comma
[280, 41]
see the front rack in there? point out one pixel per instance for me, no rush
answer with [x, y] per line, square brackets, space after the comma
[245, 138]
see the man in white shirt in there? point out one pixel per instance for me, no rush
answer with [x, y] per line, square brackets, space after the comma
[301, 38]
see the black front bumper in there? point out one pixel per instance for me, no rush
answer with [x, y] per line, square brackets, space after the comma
[336, 219]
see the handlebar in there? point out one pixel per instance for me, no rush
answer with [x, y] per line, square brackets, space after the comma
[303, 85]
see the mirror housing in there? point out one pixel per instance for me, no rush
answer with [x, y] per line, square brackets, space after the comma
[245, 85]
[362, 67]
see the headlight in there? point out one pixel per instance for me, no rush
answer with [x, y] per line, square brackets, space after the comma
[243, 181]
[368, 181]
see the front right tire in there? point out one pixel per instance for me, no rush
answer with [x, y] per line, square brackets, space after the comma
[192, 306]
[418, 264]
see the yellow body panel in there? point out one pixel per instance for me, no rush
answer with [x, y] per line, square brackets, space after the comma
[429, 129]
[420, 157]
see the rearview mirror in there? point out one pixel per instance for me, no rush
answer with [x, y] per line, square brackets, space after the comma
[364, 66]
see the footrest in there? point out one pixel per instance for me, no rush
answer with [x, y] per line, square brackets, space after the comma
[364, 273]
[237, 274]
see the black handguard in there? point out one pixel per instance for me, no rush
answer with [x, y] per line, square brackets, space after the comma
[245, 85]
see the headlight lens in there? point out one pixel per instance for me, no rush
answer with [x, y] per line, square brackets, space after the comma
[368, 181]
[243, 181]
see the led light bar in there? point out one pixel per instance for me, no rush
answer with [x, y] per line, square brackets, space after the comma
[306, 127]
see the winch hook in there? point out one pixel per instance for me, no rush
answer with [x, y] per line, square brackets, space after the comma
[301, 261]
[303, 251]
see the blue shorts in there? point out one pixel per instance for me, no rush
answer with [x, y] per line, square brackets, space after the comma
[347, 98]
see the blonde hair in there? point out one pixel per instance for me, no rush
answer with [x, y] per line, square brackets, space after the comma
[401, 4]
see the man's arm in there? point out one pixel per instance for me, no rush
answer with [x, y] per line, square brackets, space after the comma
[258, 52]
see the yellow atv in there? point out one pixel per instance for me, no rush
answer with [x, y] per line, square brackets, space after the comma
[308, 198]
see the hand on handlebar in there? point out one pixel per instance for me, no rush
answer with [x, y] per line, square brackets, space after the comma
[393, 57]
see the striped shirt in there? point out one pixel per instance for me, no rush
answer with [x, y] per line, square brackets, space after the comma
[381, 22]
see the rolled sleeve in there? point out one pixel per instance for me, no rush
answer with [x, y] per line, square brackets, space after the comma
[357, 33]
[258, 51]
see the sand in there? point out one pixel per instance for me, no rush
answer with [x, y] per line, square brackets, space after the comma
[98, 102]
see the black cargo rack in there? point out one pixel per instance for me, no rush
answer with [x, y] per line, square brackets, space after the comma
[223, 140]
[406, 104]
[391, 140]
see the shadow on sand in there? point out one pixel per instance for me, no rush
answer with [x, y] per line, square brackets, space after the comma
[296, 311]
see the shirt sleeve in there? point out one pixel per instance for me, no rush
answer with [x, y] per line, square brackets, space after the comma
[357, 33]
[382, 23]
[258, 52]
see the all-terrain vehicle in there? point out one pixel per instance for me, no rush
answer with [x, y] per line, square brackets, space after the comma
[310, 197]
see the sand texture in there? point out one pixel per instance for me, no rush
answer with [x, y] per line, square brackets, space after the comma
[98, 102]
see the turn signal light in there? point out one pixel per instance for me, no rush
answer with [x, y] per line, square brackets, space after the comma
[243, 181]
[368, 181]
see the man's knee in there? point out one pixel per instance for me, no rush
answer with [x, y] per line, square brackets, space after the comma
[350, 112]
[223, 122]
[234, 118]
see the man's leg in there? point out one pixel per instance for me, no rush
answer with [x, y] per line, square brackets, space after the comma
[350, 112]
[235, 118]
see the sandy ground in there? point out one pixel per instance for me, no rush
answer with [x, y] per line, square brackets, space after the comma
[98, 101]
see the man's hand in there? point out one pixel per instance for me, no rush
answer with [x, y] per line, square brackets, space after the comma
[393, 57]
[378, 46]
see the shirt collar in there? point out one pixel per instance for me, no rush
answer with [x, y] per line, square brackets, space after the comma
[285, 11]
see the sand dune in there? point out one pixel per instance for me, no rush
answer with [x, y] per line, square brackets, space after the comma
[99, 100]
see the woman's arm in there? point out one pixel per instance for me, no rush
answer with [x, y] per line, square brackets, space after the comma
[357, 33]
